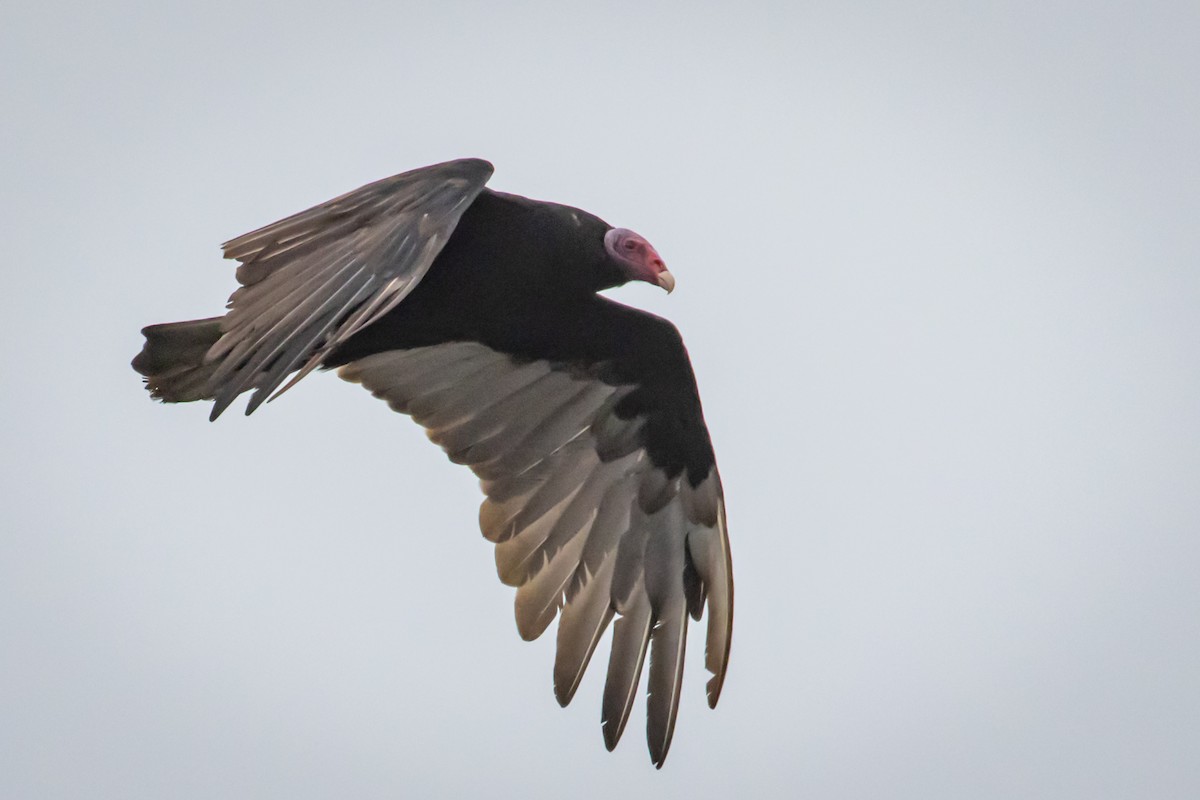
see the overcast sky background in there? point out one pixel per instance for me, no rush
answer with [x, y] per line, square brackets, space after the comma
[939, 273]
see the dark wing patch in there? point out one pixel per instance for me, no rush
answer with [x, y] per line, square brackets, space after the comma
[314, 279]
[583, 520]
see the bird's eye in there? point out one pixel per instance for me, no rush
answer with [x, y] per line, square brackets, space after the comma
[630, 244]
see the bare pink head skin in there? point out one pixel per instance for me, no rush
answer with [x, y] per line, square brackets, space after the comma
[638, 258]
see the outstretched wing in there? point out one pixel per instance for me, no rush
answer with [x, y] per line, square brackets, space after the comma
[312, 280]
[584, 519]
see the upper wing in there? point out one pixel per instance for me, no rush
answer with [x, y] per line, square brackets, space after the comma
[312, 280]
[583, 518]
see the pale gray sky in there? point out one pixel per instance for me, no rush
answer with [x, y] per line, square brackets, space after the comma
[939, 272]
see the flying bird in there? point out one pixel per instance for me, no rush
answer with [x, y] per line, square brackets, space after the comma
[476, 313]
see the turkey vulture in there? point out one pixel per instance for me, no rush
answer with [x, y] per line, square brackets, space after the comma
[476, 313]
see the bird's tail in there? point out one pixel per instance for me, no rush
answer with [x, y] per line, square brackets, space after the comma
[173, 359]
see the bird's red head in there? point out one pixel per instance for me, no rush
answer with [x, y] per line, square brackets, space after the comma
[637, 258]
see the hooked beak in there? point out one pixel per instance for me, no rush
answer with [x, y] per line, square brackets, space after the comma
[666, 280]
